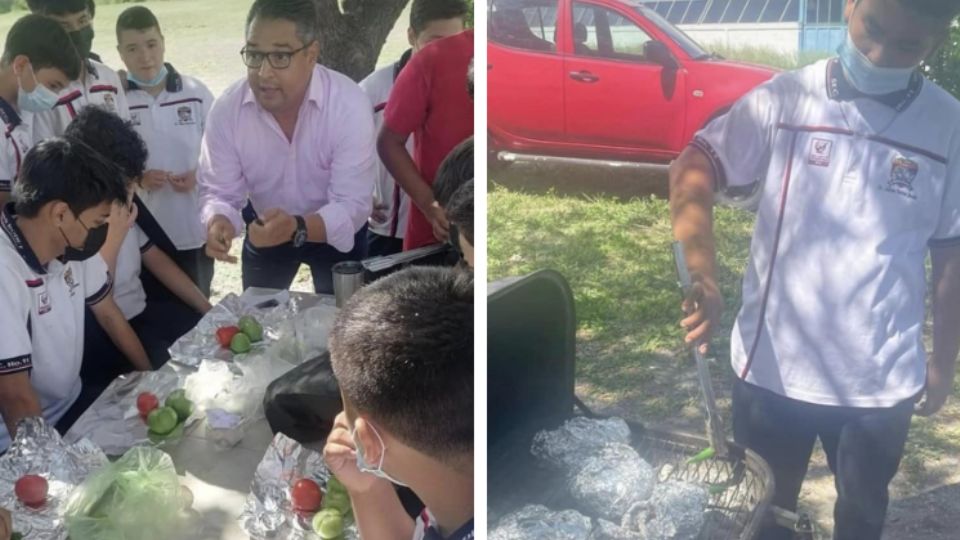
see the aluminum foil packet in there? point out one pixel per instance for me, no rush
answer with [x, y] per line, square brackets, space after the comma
[295, 328]
[565, 447]
[675, 511]
[536, 522]
[611, 480]
[607, 530]
[38, 449]
[268, 512]
[113, 422]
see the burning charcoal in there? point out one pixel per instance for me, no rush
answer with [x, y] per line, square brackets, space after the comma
[606, 530]
[535, 522]
[565, 446]
[675, 511]
[611, 480]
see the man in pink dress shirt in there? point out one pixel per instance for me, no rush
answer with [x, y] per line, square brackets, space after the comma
[297, 139]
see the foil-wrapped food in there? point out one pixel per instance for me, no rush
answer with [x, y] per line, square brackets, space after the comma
[536, 522]
[607, 530]
[675, 511]
[38, 450]
[610, 480]
[295, 328]
[565, 447]
[268, 512]
[113, 422]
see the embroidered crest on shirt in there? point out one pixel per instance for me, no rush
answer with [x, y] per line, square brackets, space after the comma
[110, 103]
[820, 151]
[135, 118]
[903, 173]
[43, 303]
[185, 116]
[68, 278]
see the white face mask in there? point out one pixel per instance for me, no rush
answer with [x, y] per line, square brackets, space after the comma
[41, 99]
[866, 76]
[362, 462]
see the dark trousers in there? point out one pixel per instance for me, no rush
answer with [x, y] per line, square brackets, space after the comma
[379, 245]
[194, 263]
[275, 267]
[158, 327]
[303, 405]
[863, 448]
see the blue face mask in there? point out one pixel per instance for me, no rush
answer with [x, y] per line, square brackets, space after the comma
[362, 462]
[866, 76]
[41, 99]
[161, 76]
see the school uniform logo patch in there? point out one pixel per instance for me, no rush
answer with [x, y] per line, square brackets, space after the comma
[109, 102]
[903, 173]
[820, 152]
[43, 304]
[185, 116]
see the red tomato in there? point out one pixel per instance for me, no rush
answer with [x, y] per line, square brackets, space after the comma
[225, 335]
[306, 496]
[31, 490]
[147, 402]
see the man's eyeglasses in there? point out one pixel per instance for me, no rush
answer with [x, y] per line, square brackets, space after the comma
[277, 59]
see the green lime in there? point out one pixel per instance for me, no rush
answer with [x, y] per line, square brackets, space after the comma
[177, 400]
[240, 344]
[162, 420]
[328, 524]
[249, 326]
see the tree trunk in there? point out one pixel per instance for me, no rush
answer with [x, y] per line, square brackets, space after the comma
[351, 38]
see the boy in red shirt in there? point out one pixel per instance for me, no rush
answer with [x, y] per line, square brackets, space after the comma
[430, 99]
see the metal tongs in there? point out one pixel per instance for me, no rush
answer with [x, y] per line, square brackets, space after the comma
[715, 433]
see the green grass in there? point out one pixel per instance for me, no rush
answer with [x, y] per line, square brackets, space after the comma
[203, 37]
[617, 256]
[768, 57]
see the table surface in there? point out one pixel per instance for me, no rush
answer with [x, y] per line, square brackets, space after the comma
[220, 479]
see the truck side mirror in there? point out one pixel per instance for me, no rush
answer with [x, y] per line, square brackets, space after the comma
[658, 53]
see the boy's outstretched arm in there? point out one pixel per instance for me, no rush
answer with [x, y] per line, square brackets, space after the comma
[376, 507]
[946, 320]
[691, 208]
[174, 279]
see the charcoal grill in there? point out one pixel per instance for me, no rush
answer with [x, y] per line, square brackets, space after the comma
[531, 363]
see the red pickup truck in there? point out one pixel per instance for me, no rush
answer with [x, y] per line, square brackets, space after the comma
[607, 80]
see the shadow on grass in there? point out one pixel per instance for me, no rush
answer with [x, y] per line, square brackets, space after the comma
[616, 255]
[932, 515]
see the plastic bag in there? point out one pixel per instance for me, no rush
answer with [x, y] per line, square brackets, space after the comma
[136, 498]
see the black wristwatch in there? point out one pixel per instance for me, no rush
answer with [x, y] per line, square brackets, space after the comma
[300, 235]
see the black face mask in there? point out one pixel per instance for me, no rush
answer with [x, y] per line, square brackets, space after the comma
[83, 40]
[96, 237]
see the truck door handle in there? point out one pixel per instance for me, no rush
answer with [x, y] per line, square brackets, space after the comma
[584, 76]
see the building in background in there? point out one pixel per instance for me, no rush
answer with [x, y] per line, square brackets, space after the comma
[787, 26]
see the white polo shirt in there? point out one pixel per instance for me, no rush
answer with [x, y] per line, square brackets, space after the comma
[172, 126]
[425, 529]
[101, 86]
[41, 318]
[386, 191]
[128, 291]
[854, 190]
[17, 141]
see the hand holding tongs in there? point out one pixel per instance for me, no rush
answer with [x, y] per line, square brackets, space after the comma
[718, 441]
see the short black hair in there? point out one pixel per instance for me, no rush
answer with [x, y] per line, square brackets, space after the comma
[402, 352]
[301, 12]
[460, 210]
[137, 18]
[62, 7]
[113, 137]
[424, 12]
[69, 171]
[454, 171]
[45, 43]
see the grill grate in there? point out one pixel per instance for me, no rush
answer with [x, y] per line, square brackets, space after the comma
[738, 503]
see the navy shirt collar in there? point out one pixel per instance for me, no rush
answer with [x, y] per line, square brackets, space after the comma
[840, 89]
[463, 533]
[9, 225]
[174, 80]
[9, 115]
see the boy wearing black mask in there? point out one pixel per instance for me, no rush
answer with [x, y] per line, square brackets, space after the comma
[98, 85]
